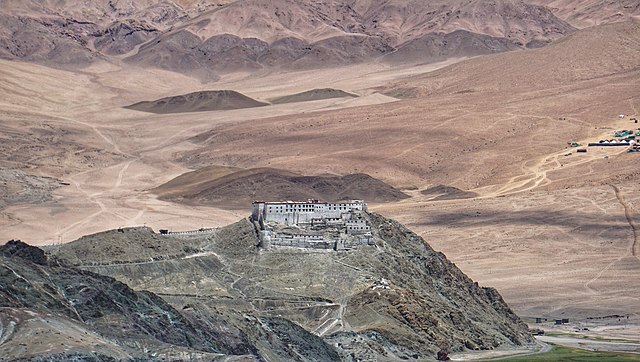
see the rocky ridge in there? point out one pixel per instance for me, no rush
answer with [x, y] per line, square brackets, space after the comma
[205, 39]
[397, 299]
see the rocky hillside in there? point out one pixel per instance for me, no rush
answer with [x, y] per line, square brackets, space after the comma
[56, 313]
[206, 38]
[397, 299]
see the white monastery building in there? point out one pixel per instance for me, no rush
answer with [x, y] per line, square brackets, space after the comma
[306, 212]
[312, 224]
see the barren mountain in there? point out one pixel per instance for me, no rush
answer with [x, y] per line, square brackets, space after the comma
[238, 188]
[396, 20]
[338, 33]
[458, 44]
[205, 39]
[428, 304]
[101, 12]
[593, 53]
[67, 33]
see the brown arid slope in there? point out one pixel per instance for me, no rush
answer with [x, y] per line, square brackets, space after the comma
[443, 192]
[396, 20]
[99, 12]
[529, 103]
[239, 188]
[205, 39]
[252, 34]
[37, 131]
[70, 34]
[589, 55]
[460, 43]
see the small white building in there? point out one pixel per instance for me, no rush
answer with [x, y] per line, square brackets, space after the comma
[357, 226]
[312, 224]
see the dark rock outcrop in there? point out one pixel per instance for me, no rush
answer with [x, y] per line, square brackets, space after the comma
[16, 248]
[105, 305]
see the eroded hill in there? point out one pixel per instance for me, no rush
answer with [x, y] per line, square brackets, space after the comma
[198, 102]
[313, 95]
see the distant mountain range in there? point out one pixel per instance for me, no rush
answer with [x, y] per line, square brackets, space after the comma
[205, 39]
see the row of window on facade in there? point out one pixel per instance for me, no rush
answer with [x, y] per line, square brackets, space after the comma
[305, 207]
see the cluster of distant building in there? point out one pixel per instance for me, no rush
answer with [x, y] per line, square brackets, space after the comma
[625, 138]
[312, 224]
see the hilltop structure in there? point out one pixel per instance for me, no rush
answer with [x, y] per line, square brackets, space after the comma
[312, 224]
